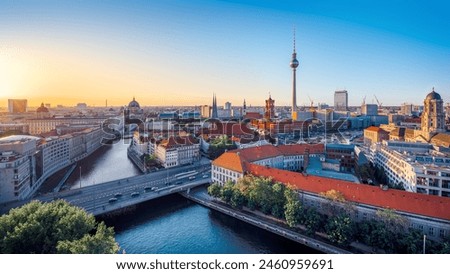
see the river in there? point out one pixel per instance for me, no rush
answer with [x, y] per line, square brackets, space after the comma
[174, 224]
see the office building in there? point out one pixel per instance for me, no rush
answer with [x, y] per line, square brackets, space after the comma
[341, 100]
[369, 109]
[17, 105]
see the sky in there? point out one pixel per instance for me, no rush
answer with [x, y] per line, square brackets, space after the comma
[173, 52]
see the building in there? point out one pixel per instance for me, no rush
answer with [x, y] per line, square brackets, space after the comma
[134, 107]
[429, 214]
[214, 113]
[17, 128]
[441, 139]
[42, 112]
[407, 109]
[416, 166]
[17, 176]
[81, 106]
[345, 154]
[205, 111]
[176, 151]
[341, 100]
[227, 106]
[231, 165]
[269, 112]
[27, 161]
[41, 125]
[433, 116]
[369, 109]
[374, 135]
[17, 105]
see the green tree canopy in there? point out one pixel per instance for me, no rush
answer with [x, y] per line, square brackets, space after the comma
[55, 227]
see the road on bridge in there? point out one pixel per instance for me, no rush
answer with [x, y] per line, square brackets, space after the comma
[113, 195]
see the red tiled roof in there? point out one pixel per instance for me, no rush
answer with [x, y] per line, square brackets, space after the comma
[229, 160]
[253, 115]
[235, 159]
[176, 141]
[375, 129]
[421, 204]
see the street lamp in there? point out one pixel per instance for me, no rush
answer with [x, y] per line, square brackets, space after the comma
[424, 242]
[80, 177]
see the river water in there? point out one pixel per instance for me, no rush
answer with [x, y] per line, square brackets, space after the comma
[174, 224]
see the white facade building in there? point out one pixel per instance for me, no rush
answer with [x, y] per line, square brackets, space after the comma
[27, 161]
[231, 165]
[177, 151]
[415, 166]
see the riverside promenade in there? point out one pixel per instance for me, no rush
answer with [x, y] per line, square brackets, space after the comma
[201, 197]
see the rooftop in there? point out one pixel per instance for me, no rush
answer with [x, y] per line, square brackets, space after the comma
[18, 138]
[235, 159]
[415, 203]
[374, 129]
[315, 168]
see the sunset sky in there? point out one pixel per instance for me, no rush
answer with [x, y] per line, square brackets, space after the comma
[181, 52]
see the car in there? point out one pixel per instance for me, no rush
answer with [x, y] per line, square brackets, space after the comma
[205, 176]
[118, 194]
[192, 178]
[154, 188]
[134, 194]
[148, 188]
[112, 200]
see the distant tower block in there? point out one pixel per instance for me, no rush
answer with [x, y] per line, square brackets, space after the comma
[294, 64]
[214, 112]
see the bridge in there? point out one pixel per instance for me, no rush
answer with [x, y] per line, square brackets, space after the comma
[117, 194]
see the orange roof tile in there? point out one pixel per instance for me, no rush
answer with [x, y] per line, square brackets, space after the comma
[375, 129]
[415, 203]
[229, 160]
[235, 159]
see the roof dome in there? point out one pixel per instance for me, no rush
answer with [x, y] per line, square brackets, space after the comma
[134, 104]
[433, 96]
[42, 108]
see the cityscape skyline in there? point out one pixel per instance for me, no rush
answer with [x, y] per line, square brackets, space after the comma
[61, 53]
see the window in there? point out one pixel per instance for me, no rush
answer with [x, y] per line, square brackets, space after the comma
[431, 231]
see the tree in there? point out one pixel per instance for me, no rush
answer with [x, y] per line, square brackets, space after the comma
[312, 220]
[340, 230]
[150, 160]
[410, 242]
[219, 145]
[48, 227]
[237, 199]
[214, 190]
[227, 191]
[293, 213]
[101, 241]
[278, 200]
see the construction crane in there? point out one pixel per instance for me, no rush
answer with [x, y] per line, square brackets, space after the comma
[311, 107]
[379, 103]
